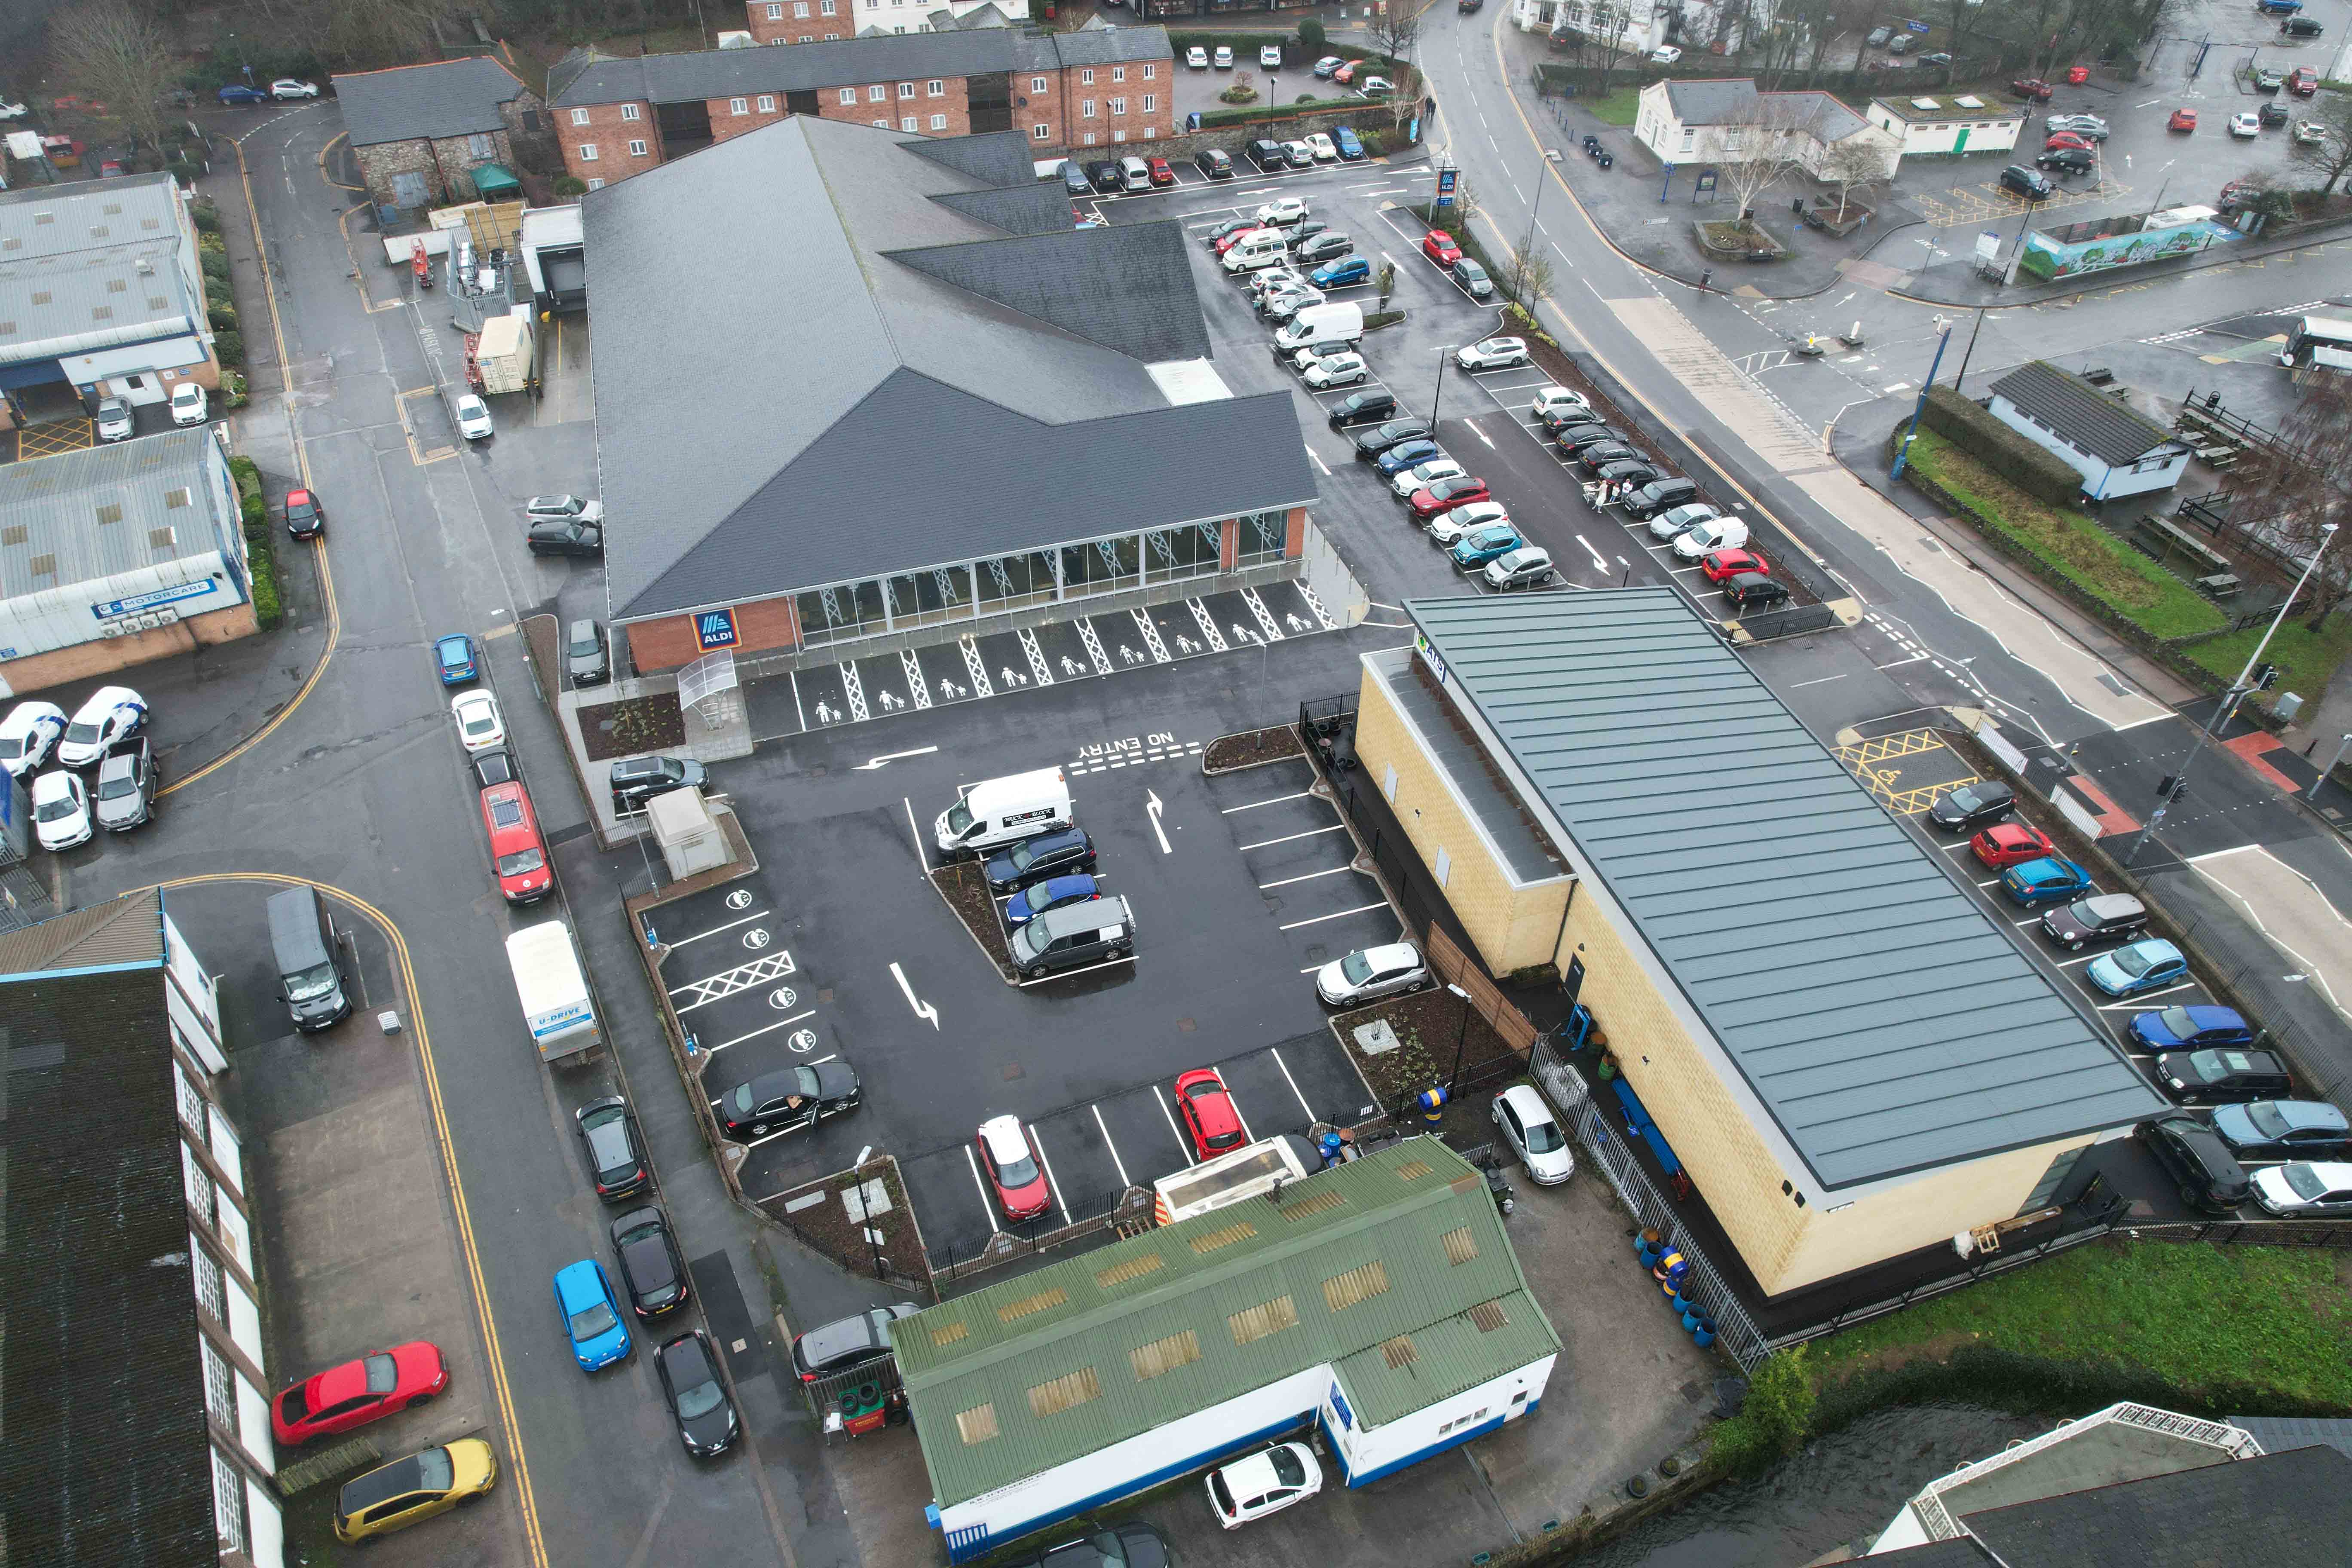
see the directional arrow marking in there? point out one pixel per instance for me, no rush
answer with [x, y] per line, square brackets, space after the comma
[1151, 803]
[871, 763]
[922, 1009]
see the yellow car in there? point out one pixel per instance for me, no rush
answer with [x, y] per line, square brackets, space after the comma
[395, 1496]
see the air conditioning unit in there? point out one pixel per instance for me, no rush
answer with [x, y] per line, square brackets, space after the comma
[110, 628]
[166, 615]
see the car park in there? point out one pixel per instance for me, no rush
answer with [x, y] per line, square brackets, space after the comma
[1439, 246]
[479, 727]
[632, 781]
[1215, 164]
[287, 87]
[1073, 936]
[2026, 183]
[1161, 175]
[2102, 918]
[125, 796]
[1338, 370]
[1281, 213]
[2147, 964]
[106, 716]
[1529, 566]
[1975, 804]
[554, 536]
[2304, 1189]
[2220, 1074]
[2067, 161]
[2245, 125]
[2271, 115]
[2292, 1129]
[1370, 444]
[1322, 247]
[1528, 1125]
[2200, 1161]
[1206, 1109]
[1371, 403]
[28, 734]
[1372, 971]
[2038, 881]
[1420, 475]
[608, 1136]
[1551, 399]
[1754, 590]
[115, 420]
[1722, 566]
[1074, 182]
[1008, 1155]
[1351, 145]
[1675, 521]
[591, 1314]
[188, 405]
[2006, 844]
[363, 1389]
[1035, 859]
[847, 1344]
[2183, 120]
[414, 1488]
[1481, 545]
[1197, 58]
[1628, 473]
[61, 810]
[1448, 527]
[698, 1397]
[652, 1271]
[1224, 58]
[1269, 56]
[518, 853]
[1053, 893]
[1404, 455]
[1444, 495]
[1267, 155]
[796, 1096]
[2190, 1028]
[1492, 353]
[1340, 273]
[1659, 496]
[1263, 1483]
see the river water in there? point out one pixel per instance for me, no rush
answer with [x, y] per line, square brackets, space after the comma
[1842, 1488]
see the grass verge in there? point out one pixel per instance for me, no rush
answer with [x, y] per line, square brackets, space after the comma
[2306, 659]
[2071, 544]
[1619, 107]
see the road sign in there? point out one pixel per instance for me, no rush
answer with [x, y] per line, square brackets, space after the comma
[1916, 27]
[1446, 183]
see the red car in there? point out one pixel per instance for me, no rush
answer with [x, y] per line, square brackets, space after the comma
[517, 853]
[2011, 844]
[1161, 175]
[1209, 1115]
[1439, 246]
[1229, 241]
[2033, 87]
[2303, 83]
[1445, 495]
[1722, 566]
[2077, 75]
[2183, 120]
[1010, 1156]
[1345, 73]
[2068, 139]
[358, 1392]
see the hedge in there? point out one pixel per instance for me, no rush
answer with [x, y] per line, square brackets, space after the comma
[229, 346]
[261, 542]
[2036, 470]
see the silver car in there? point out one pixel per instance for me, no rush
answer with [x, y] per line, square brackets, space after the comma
[2089, 127]
[115, 420]
[1370, 972]
[126, 785]
[565, 507]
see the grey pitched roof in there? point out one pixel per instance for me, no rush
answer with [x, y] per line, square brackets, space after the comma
[100, 512]
[1825, 117]
[1038, 207]
[1885, 1021]
[995, 158]
[90, 265]
[2277, 1433]
[833, 310]
[407, 103]
[2296, 1505]
[2100, 424]
[846, 62]
[1716, 100]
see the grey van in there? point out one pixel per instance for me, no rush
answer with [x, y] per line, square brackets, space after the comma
[1073, 936]
[310, 981]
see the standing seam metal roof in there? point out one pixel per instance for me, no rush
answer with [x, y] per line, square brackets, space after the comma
[1886, 1022]
[90, 265]
[98, 512]
[1395, 1208]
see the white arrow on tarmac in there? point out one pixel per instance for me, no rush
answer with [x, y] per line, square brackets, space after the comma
[922, 1009]
[871, 763]
[1151, 803]
[1597, 563]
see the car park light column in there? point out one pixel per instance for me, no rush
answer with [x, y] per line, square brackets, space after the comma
[1441, 351]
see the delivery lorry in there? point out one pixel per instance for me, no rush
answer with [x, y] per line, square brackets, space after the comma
[554, 994]
[506, 353]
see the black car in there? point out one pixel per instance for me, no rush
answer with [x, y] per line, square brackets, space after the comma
[494, 767]
[1973, 806]
[1663, 496]
[1216, 162]
[304, 515]
[1033, 860]
[558, 536]
[1074, 179]
[1557, 420]
[2210, 1175]
[697, 1394]
[650, 1266]
[1231, 226]
[2272, 114]
[609, 1133]
[1306, 228]
[2102, 917]
[1322, 247]
[790, 1096]
[847, 1343]
[1124, 1546]
[637, 780]
[585, 656]
[125, 796]
[1371, 443]
[2223, 1075]
[1104, 175]
[1627, 473]
[1575, 438]
[2033, 187]
[1268, 156]
[2300, 27]
[2067, 161]
[1599, 451]
[1755, 591]
[1370, 402]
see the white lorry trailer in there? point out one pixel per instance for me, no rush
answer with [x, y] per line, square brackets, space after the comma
[554, 994]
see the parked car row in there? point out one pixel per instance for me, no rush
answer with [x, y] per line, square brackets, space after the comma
[108, 731]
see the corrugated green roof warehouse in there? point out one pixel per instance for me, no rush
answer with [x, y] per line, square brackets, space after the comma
[1378, 1300]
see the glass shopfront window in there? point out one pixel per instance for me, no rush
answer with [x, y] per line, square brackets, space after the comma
[1102, 567]
[1170, 554]
[835, 615]
[1015, 582]
[1263, 535]
[927, 598]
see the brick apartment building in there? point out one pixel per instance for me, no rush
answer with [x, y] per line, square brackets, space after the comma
[420, 131]
[1063, 92]
[822, 21]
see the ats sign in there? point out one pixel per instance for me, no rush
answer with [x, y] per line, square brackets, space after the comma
[716, 629]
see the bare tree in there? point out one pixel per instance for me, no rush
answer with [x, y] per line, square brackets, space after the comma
[2288, 497]
[380, 29]
[1761, 144]
[2330, 157]
[1852, 163]
[1529, 278]
[118, 57]
[1598, 32]
[1395, 29]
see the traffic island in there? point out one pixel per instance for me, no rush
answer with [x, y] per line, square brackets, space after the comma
[1250, 749]
[1739, 241]
[964, 885]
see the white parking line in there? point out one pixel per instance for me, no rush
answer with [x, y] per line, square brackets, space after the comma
[1051, 1180]
[1310, 833]
[2071, 962]
[1334, 871]
[1270, 800]
[987, 1208]
[1182, 1144]
[1121, 1164]
[714, 931]
[1319, 920]
[1234, 1101]
[805, 1013]
[1276, 1053]
[2140, 1003]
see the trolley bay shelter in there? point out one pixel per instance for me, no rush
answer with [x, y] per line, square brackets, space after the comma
[945, 411]
[1852, 1062]
[1379, 1301]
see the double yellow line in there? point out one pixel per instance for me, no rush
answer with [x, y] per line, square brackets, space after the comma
[516, 1460]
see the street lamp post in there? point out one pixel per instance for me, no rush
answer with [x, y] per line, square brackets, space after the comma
[1904, 457]
[1442, 350]
[1460, 1040]
[2229, 699]
[2331, 768]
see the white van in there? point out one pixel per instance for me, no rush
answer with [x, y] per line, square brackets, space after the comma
[1135, 175]
[1259, 248]
[1714, 533]
[1333, 323]
[1004, 811]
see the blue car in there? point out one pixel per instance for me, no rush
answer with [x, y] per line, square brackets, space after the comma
[2137, 967]
[1053, 893]
[1351, 149]
[2189, 1029]
[238, 92]
[592, 1315]
[454, 657]
[1481, 545]
[2045, 881]
[1406, 455]
[1346, 270]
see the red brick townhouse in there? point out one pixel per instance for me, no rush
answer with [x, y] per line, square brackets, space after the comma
[1063, 92]
[822, 21]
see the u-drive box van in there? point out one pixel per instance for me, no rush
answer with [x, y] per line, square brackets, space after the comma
[1004, 811]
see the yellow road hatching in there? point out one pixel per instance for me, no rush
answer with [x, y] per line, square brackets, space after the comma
[1868, 759]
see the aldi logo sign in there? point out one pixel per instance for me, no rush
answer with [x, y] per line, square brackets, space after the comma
[716, 629]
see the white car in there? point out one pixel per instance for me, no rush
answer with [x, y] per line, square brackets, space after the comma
[1224, 58]
[109, 713]
[480, 728]
[115, 420]
[2309, 132]
[288, 87]
[188, 404]
[1270, 55]
[2304, 1187]
[1290, 301]
[1322, 146]
[1272, 279]
[1264, 1483]
[2090, 127]
[1281, 213]
[12, 110]
[1448, 527]
[1340, 370]
[473, 418]
[1376, 87]
[1528, 1126]
[1551, 398]
[1492, 353]
[1675, 521]
[28, 734]
[1529, 566]
[1422, 476]
[1197, 58]
[1370, 972]
[2245, 125]
[60, 811]
[1665, 55]
[570, 508]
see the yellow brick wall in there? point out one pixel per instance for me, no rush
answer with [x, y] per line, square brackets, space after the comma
[1511, 928]
[1927, 1212]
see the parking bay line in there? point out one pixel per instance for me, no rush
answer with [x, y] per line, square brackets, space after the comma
[1117, 1163]
[1310, 833]
[1271, 800]
[714, 931]
[1275, 1052]
[1334, 871]
[1342, 914]
[2141, 1003]
[765, 1029]
[987, 1209]
[1052, 1180]
[1174, 1131]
